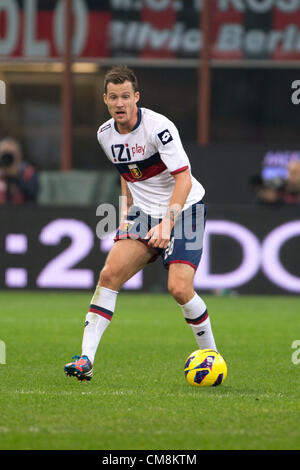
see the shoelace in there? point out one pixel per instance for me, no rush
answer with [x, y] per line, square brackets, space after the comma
[80, 361]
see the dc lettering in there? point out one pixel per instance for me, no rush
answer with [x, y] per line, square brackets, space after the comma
[118, 153]
[165, 137]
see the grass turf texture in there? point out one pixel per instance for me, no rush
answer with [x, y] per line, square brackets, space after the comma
[139, 398]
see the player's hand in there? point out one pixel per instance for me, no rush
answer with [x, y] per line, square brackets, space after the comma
[159, 236]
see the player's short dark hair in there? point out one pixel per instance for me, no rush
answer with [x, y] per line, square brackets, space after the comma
[120, 74]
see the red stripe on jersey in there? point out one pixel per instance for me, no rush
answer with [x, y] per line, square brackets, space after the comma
[146, 173]
[179, 170]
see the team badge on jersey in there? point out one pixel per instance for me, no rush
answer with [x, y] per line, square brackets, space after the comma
[135, 171]
[165, 137]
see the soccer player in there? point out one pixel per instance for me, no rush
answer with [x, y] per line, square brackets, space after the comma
[163, 214]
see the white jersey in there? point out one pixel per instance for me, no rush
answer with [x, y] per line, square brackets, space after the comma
[146, 158]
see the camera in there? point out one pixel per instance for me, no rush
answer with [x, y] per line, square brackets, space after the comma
[6, 160]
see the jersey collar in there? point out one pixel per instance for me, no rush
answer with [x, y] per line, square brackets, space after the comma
[138, 122]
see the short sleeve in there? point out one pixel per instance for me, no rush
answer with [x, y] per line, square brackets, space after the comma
[98, 137]
[169, 146]
[100, 141]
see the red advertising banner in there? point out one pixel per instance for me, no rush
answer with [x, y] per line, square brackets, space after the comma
[143, 29]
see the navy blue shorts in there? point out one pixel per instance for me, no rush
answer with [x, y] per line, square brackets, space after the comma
[186, 240]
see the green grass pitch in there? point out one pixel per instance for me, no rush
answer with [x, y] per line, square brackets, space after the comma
[139, 398]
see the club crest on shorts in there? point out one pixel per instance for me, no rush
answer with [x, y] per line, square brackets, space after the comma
[135, 171]
[125, 226]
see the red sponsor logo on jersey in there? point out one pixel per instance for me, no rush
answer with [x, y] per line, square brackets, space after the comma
[138, 149]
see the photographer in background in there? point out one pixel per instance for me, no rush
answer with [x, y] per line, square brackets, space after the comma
[279, 181]
[18, 179]
[293, 180]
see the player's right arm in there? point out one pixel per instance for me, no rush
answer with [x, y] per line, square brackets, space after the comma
[127, 200]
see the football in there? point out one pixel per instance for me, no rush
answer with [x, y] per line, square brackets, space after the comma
[205, 367]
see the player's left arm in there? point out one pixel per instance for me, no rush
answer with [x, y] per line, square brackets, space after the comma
[160, 234]
[183, 185]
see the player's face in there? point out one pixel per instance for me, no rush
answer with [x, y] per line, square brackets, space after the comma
[121, 100]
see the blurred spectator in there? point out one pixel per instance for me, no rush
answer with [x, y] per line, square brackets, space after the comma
[279, 181]
[293, 180]
[18, 179]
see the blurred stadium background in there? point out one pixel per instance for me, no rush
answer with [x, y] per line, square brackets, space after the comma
[227, 73]
[222, 70]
